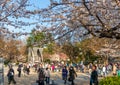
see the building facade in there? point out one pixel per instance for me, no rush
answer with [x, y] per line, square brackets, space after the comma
[35, 55]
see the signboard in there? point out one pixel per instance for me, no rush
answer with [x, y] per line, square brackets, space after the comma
[1, 71]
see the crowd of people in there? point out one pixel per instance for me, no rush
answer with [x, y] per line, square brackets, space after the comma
[69, 73]
[25, 69]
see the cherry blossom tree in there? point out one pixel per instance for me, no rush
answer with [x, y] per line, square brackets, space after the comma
[78, 18]
[65, 19]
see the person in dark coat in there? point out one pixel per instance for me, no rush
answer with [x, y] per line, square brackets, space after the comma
[41, 77]
[94, 76]
[28, 69]
[64, 74]
[19, 70]
[40, 67]
[72, 75]
[10, 75]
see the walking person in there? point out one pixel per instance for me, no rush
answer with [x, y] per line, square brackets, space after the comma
[40, 67]
[35, 66]
[114, 70]
[41, 77]
[10, 75]
[47, 76]
[64, 74]
[53, 68]
[118, 72]
[19, 70]
[24, 70]
[72, 75]
[83, 68]
[90, 68]
[28, 69]
[94, 76]
[104, 71]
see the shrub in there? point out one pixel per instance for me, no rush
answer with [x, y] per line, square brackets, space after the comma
[6, 62]
[110, 81]
[47, 61]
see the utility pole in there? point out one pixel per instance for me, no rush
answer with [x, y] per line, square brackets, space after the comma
[1, 71]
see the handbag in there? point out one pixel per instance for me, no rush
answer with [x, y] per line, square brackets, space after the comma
[69, 79]
[38, 81]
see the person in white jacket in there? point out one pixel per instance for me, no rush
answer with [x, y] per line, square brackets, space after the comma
[104, 71]
[47, 76]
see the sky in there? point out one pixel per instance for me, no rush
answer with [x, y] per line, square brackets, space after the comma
[40, 4]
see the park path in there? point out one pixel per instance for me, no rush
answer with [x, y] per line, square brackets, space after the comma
[23, 80]
[82, 79]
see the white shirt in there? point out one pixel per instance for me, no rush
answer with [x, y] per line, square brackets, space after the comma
[104, 69]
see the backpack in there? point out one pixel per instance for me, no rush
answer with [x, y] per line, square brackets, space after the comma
[11, 73]
[19, 69]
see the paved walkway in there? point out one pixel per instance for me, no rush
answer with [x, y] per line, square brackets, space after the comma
[82, 79]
